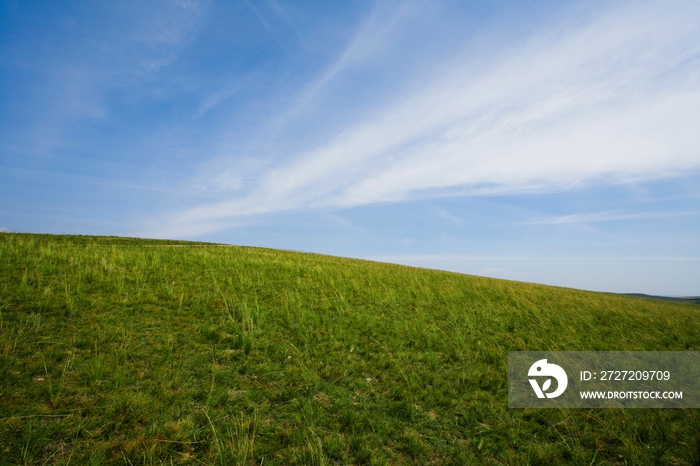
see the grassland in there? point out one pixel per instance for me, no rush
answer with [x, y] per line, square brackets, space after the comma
[126, 351]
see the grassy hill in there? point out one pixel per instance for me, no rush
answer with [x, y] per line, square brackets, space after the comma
[129, 351]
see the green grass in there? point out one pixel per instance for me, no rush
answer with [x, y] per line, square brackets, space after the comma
[128, 351]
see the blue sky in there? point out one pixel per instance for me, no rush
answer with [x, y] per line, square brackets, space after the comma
[542, 141]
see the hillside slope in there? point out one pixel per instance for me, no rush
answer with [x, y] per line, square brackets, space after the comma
[128, 351]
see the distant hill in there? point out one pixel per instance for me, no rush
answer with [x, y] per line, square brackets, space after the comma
[688, 300]
[130, 351]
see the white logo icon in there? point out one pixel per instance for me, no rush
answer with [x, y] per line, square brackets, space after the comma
[542, 369]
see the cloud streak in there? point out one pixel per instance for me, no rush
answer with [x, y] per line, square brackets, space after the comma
[608, 216]
[614, 99]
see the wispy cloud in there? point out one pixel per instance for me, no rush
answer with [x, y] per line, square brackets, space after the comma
[614, 99]
[266, 24]
[76, 74]
[215, 98]
[445, 215]
[607, 216]
[373, 40]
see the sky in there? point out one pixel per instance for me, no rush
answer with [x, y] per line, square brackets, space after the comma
[554, 142]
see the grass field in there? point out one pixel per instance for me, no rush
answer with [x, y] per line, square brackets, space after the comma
[129, 351]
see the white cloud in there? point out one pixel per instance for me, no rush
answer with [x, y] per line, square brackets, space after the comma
[614, 99]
